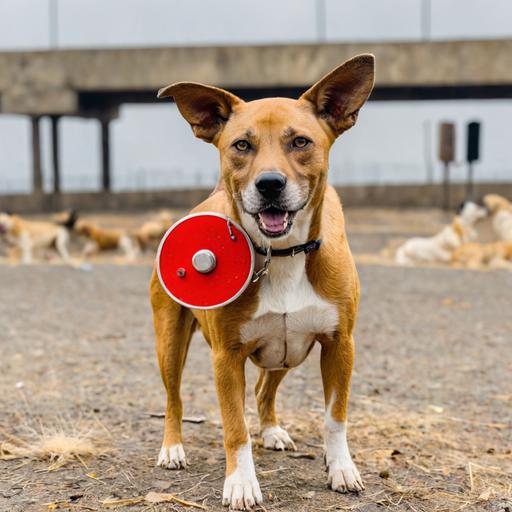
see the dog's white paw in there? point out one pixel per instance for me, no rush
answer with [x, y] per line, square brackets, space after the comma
[276, 438]
[172, 457]
[343, 476]
[241, 492]
[241, 487]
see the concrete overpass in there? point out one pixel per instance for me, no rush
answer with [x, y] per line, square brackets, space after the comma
[94, 83]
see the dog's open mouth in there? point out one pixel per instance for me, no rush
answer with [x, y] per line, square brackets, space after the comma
[274, 222]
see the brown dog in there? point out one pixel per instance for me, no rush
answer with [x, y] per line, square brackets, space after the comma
[30, 235]
[274, 160]
[102, 239]
[501, 211]
[496, 254]
[148, 236]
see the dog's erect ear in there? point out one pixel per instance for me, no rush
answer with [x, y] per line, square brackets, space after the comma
[339, 95]
[206, 108]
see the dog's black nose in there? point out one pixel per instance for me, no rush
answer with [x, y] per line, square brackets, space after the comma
[270, 184]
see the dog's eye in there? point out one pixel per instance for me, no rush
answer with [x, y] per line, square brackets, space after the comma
[242, 145]
[300, 142]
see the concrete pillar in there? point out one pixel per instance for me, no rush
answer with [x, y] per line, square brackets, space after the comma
[55, 153]
[105, 155]
[37, 174]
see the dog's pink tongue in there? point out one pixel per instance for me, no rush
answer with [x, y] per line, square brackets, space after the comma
[274, 220]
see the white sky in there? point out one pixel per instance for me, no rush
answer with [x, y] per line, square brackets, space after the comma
[153, 146]
[100, 23]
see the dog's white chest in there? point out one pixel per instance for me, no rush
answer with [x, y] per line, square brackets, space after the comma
[289, 316]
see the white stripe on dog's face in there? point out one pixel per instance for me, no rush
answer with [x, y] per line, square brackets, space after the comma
[293, 198]
[292, 201]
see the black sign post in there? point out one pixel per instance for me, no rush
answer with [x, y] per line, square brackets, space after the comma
[446, 155]
[472, 153]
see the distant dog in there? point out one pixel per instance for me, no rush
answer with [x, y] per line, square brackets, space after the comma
[439, 248]
[28, 236]
[101, 239]
[497, 254]
[151, 232]
[501, 211]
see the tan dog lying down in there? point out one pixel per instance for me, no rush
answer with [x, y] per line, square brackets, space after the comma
[29, 235]
[478, 255]
[101, 239]
[151, 232]
[501, 211]
[439, 248]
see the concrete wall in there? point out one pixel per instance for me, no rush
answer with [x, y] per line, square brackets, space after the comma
[371, 196]
[49, 82]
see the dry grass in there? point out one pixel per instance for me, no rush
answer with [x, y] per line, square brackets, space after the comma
[58, 444]
[426, 461]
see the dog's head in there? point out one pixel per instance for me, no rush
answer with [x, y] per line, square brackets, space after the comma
[83, 228]
[274, 152]
[6, 223]
[471, 212]
[495, 203]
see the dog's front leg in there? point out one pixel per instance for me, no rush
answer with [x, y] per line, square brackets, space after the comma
[241, 488]
[90, 248]
[25, 245]
[174, 326]
[61, 244]
[337, 360]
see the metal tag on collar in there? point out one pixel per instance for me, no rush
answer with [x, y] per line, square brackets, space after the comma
[263, 271]
[230, 230]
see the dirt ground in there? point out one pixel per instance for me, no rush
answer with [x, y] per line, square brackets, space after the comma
[430, 422]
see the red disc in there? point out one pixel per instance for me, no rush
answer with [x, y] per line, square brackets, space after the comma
[233, 254]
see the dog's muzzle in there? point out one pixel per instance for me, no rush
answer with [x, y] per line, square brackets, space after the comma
[273, 203]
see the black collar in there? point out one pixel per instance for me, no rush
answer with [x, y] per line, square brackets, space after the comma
[312, 245]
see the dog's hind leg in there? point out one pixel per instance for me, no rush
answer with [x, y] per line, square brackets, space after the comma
[25, 245]
[91, 248]
[174, 326]
[61, 244]
[128, 247]
[274, 437]
[337, 360]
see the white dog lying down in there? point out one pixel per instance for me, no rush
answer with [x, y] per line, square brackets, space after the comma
[501, 211]
[439, 248]
[28, 236]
